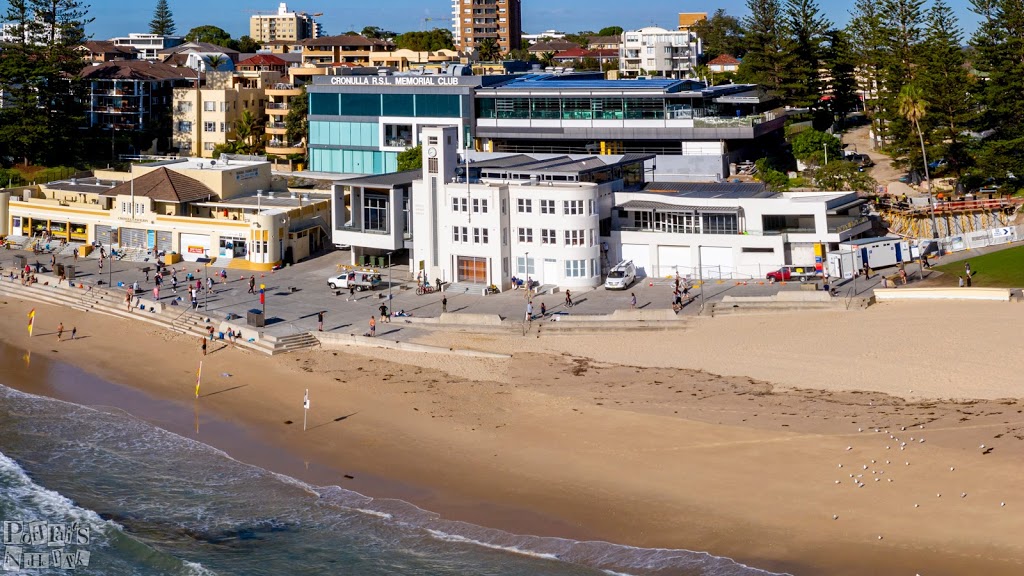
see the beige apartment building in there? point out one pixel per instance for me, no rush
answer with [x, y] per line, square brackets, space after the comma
[283, 26]
[344, 49]
[475, 20]
[204, 120]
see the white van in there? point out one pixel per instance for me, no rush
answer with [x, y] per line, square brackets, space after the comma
[361, 280]
[621, 276]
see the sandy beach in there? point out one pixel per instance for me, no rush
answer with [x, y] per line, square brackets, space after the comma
[729, 440]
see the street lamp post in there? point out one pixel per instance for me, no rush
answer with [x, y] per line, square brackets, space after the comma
[389, 280]
[526, 266]
[205, 261]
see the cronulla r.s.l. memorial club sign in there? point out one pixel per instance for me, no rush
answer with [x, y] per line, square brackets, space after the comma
[396, 81]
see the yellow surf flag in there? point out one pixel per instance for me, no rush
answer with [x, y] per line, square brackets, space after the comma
[199, 377]
[31, 320]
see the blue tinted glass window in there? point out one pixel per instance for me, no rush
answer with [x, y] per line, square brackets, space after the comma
[398, 105]
[326, 104]
[360, 104]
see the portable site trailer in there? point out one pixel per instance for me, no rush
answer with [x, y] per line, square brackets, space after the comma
[876, 252]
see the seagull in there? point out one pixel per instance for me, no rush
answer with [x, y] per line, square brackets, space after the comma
[903, 427]
[921, 440]
[911, 438]
[886, 461]
[917, 505]
[865, 466]
[840, 465]
[1002, 503]
[951, 468]
[837, 482]
[938, 495]
[879, 537]
[849, 447]
[889, 479]
[878, 479]
[963, 494]
[872, 461]
[920, 426]
[982, 446]
[835, 517]
[908, 463]
[860, 429]
[887, 447]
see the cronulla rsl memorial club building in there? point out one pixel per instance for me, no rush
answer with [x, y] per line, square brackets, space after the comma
[358, 124]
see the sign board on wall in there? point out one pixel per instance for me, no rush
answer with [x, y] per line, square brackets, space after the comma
[397, 80]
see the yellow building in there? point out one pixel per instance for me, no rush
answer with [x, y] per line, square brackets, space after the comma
[180, 209]
[688, 19]
[210, 117]
[404, 60]
[343, 49]
[283, 26]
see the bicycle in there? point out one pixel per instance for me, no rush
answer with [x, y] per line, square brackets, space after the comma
[421, 290]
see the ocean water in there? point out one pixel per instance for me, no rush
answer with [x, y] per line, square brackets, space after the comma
[158, 503]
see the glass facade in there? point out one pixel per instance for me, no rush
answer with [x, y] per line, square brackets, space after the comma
[344, 134]
[584, 108]
[406, 105]
[353, 161]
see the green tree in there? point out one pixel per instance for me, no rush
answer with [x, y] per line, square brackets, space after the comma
[868, 26]
[521, 54]
[429, 41]
[950, 89]
[296, 121]
[547, 59]
[720, 34]
[998, 46]
[913, 107]
[903, 22]
[489, 50]
[843, 175]
[610, 31]
[210, 35]
[40, 120]
[775, 179]
[768, 57]
[215, 61]
[377, 33]
[247, 44]
[410, 159]
[248, 133]
[163, 21]
[811, 145]
[840, 62]
[806, 28]
[581, 38]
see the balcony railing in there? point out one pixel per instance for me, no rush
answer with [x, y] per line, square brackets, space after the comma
[734, 122]
[279, 125]
[850, 225]
[283, 144]
[277, 106]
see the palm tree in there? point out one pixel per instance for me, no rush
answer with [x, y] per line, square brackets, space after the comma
[547, 59]
[247, 132]
[913, 107]
[214, 61]
[489, 50]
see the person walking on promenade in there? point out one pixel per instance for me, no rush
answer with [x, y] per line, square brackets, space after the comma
[444, 304]
[60, 331]
[252, 284]
[543, 310]
[568, 299]
[632, 300]
[903, 276]
[373, 326]
[74, 255]
[967, 269]
[968, 280]
[202, 342]
[351, 292]
[383, 313]
[529, 311]
[74, 332]
[320, 321]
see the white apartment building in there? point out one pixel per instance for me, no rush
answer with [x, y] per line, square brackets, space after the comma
[547, 34]
[727, 230]
[654, 51]
[148, 45]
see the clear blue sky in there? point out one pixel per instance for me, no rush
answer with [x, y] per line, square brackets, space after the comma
[117, 17]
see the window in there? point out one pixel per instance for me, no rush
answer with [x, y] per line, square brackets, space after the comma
[575, 268]
[476, 235]
[455, 233]
[547, 206]
[593, 267]
[432, 165]
[524, 205]
[479, 205]
[209, 126]
[590, 207]
[574, 237]
[375, 213]
[480, 235]
[184, 106]
[460, 205]
[209, 106]
[547, 236]
[642, 220]
[525, 266]
[593, 237]
[572, 207]
[208, 145]
[719, 224]
[185, 127]
[465, 234]
[223, 127]
[526, 235]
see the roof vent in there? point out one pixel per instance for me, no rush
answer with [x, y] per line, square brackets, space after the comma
[270, 194]
[305, 197]
[259, 193]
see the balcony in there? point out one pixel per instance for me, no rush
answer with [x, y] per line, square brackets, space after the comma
[276, 128]
[284, 90]
[282, 148]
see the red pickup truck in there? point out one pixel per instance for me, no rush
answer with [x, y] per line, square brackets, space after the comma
[792, 273]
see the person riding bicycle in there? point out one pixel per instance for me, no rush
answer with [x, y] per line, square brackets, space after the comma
[568, 299]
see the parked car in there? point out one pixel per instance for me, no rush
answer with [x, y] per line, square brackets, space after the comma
[361, 280]
[861, 160]
[621, 276]
[792, 273]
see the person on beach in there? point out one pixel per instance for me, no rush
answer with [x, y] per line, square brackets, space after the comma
[252, 284]
[677, 300]
[209, 285]
[373, 326]
[903, 276]
[60, 331]
[632, 300]
[224, 276]
[320, 321]
[74, 331]
[529, 311]
[202, 342]
[146, 270]
[444, 304]
[156, 293]
[174, 283]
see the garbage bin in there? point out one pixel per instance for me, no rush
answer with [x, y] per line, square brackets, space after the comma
[380, 261]
[255, 318]
[69, 272]
[58, 269]
[19, 262]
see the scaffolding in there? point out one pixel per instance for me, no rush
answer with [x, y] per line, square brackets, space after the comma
[910, 220]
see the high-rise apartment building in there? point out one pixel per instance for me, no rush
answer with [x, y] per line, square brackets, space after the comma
[283, 26]
[475, 20]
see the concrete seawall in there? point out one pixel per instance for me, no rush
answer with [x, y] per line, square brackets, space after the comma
[995, 294]
[329, 340]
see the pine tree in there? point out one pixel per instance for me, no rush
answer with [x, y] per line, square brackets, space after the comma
[840, 61]
[163, 21]
[806, 28]
[903, 26]
[768, 56]
[37, 70]
[947, 86]
[999, 49]
[868, 26]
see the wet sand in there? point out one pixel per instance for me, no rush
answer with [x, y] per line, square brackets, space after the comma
[564, 445]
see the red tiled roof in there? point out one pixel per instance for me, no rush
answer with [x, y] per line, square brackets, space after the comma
[263, 60]
[165, 185]
[135, 70]
[724, 60]
[574, 53]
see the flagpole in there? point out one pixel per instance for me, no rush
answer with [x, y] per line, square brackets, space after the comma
[199, 378]
[305, 409]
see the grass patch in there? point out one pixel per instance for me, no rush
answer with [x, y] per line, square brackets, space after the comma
[1002, 269]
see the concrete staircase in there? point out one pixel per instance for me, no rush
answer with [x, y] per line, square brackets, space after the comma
[464, 288]
[767, 305]
[174, 318]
